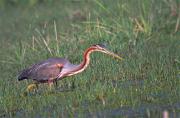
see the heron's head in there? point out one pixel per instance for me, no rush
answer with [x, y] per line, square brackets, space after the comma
[104, 49]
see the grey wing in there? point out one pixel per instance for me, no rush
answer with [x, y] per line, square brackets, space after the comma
[46, 70]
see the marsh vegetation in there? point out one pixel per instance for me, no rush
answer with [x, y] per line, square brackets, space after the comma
[145, 32]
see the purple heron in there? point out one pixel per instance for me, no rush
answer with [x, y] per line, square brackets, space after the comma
[53, 69]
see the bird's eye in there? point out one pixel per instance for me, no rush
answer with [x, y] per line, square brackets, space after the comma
[95, 45]
[102, 45]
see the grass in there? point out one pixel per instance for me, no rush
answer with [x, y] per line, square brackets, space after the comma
[144, 84]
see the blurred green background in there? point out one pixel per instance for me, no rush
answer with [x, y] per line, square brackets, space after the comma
[145, 32]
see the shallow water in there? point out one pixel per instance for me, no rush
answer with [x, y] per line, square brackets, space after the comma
[125, 111]
[141, 111]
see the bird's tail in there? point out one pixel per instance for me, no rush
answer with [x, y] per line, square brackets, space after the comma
[23, 74]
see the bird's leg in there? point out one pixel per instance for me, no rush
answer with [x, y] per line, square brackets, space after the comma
[56, 84]
[50, 83]
[32, 87]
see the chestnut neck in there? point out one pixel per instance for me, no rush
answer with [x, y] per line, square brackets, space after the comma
[86, 60]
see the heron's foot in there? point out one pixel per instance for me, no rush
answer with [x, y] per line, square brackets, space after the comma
[32, 87]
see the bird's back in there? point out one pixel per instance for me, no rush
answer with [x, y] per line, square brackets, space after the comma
[43, 70]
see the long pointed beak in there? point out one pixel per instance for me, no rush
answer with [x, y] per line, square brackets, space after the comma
[113, 54]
